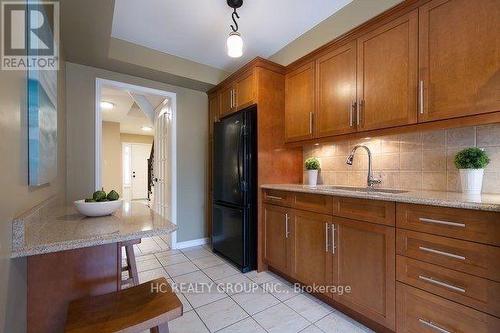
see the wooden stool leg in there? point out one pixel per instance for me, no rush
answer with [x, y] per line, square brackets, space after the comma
[131, 264]
[163, 328]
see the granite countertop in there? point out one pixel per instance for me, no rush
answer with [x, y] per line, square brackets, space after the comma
[50, 227]
[487, 202]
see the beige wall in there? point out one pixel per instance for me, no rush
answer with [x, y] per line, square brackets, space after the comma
[414, 161]
[17, 196]
[136, 138]
[192, 133]
[347, 18]
[111, 163]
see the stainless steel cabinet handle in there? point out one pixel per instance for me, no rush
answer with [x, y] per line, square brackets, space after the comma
[421, 96]
[351, 110]
[452, 224]
[440, 283]
[274, 197]
[333, 238]
[358, 111]
[234, 98]
[327, 227]
[433, 326]
[310, 122]
[446, 254]
[286, 226]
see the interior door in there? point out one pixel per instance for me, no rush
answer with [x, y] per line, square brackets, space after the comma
[366, 263]
[387, 74]
[139, 154]
[459, 45]
[162, 196]
[276, 236]
[299, 103]
[311, 251]
[336, 91]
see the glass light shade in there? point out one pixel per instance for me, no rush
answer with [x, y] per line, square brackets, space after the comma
[107, 105]
[234, 45]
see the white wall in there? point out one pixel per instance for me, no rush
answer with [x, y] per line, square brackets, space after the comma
[192, 133]
[17, 196]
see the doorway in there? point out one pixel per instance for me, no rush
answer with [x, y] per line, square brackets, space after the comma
[135, 145]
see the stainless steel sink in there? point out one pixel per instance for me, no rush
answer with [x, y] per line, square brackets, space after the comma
[362, 189]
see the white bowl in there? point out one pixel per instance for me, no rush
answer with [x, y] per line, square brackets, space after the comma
[98, 208]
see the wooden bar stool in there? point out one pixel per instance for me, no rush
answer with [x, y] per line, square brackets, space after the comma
[131, 267]
[131, 310]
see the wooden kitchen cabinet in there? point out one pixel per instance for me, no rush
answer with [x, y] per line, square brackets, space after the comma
[336, 91]
[365, 255]
[276, 236]
[245, 90]
[387, 74]
[299, 103]
[213, 112]
[226, 99]
[459, 55]
[311, 255]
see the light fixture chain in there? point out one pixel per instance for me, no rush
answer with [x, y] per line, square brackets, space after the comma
[234, 20]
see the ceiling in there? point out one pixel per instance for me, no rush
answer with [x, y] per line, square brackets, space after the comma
[197, 30]
[123, 102]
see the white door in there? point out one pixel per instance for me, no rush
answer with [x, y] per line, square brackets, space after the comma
[139, 168]
[162, 164]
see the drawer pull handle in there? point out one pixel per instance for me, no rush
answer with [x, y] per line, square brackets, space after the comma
[327, 229]
[273, 197]
[446, 254]
[442, 284]
[433, 326]
[452, 224]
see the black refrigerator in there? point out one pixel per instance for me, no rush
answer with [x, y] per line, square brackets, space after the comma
[234, 220]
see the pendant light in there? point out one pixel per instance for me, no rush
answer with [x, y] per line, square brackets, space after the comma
[234, 41]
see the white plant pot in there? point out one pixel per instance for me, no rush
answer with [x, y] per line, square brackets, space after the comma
[312, 177]
[472, 181]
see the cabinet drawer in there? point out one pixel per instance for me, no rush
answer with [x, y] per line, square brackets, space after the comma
[313, 202]
[276, 197]
[468, 257]
[374, 211]
[473, 291]
[422, 312]
[473, 225]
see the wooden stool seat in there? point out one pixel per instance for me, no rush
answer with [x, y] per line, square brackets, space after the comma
[130, 310]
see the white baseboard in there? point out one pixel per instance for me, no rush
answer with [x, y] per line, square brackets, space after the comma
[194, 242]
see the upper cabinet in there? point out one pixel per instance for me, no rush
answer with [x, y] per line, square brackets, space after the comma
[415, 64]
[299, 103]
[387, 74]
[336, 91]
[238, 94]
[213, 112]
[459, 58]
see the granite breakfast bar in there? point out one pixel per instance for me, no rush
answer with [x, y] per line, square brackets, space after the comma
[70, 256]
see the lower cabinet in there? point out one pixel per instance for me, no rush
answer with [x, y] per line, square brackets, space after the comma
[322, 250]
[311, 255]
[365, 261]
[276, 236]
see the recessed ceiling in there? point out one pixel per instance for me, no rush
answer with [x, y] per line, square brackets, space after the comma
[197, 30]
[130, 122]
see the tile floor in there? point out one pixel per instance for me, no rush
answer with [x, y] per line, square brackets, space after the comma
[242, 303]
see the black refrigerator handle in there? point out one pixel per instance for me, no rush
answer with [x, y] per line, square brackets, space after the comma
[240, 139]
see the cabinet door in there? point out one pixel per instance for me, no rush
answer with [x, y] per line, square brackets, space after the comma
[276, 237]
[387, 74]
[366, 262]
[459, 45]
[245, 90]
[311, 255]
[299, 103]
[226, 100]
[336, 91]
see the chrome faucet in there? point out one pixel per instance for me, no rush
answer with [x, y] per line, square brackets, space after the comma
[370, 181]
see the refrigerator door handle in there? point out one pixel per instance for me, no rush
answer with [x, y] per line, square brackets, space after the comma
[240, 139]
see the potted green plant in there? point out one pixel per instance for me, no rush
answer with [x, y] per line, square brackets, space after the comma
[471, 163]
[312, 166]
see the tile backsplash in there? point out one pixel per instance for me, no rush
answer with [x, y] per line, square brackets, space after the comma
[413, 161]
